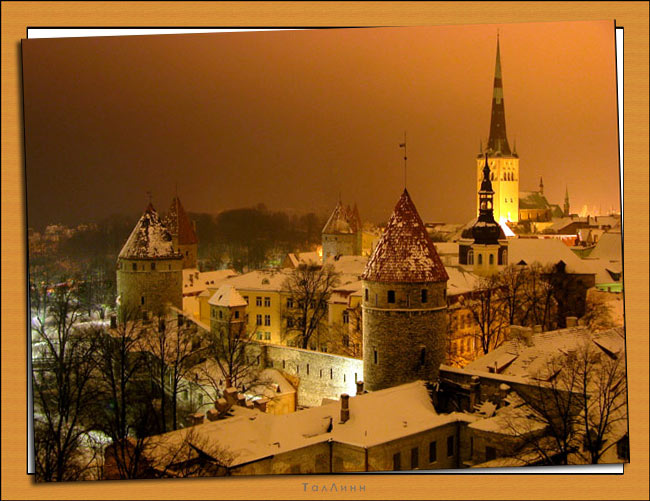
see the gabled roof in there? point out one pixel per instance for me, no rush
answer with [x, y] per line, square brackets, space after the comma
[342, 221]
[405, 253]
[179, 224]
[228, 297]
[150, 239]
[533, 200]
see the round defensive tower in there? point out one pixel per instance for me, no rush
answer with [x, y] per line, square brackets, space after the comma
[404, 304]
[149, 269]
[342, 234]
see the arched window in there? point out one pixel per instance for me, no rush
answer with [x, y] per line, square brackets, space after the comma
[470, 257]
[480, 259]
[491, 259]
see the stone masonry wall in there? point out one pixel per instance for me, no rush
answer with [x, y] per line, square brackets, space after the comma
[320, 375]
[395, 334]
[160, 286]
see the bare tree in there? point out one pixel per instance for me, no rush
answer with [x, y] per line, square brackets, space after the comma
[170, 342]
[510, 283]
[578, 398]
[62, 372]
[125, 411]
[598, 313]
[538, 305]
[485, 306]
[309, 287]
[229, 346]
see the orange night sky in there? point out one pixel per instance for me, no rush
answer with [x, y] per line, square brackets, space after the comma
[292, 118]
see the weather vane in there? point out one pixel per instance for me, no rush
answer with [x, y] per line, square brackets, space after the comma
[403, 145]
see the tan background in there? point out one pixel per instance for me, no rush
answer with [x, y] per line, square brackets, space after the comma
[16, 16]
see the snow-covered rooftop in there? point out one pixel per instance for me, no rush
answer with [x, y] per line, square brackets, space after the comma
[405, 252]
[545, 251]
[195, 281]
[343, 220]
[531, 361]
[178, 223]
[150, 239]
[227, 296]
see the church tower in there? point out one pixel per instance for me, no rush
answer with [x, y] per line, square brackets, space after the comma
[489, 249]
[149, 271]
[404, 303]
[503, 163]
[183, 235]
[342, 234]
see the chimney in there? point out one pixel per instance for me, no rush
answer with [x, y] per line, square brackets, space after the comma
[260, 404]
[571, 321]
[503, 393]
[212, 414]
[113, 321]
[345, 409]
[359, 387]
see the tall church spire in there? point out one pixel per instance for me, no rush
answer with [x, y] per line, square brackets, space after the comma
[498, 141]
[567, 206]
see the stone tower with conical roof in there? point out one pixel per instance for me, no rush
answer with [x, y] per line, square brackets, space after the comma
[404, 303]
[504, 163]
[342, 234]
[149, 269]
[182, 231]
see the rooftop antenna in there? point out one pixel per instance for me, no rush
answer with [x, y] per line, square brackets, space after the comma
[403, 145]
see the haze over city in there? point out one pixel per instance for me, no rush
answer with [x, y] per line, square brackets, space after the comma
[292, 119]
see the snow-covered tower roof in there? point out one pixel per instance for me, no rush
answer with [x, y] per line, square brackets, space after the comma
[179, 224]
[340, 222]
[405, 252]
[150, 239]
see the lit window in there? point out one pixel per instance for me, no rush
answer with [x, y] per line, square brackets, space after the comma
[258, 319]
[267, 336]
[258, 301]
[267, 320]
[267, 301]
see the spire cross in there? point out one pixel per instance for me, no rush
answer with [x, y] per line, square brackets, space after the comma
[403, 145]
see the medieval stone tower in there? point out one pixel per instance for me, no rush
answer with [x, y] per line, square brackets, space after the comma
[149, 269]
[342, 234]
[503, 163]
[182, 231]
[404, 303]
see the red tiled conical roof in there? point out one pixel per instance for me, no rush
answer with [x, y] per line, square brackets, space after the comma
[405, 253]
[179, 224]
[149, 239]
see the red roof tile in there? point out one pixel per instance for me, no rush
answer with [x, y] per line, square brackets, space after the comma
[405, 253]
[179, 224]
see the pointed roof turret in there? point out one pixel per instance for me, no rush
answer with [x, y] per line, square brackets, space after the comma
[541, 185]
[405, 252]
[356, 217]
[486, 230]
[338, 222]
[498, 141]
[178, 223]
[150, 239]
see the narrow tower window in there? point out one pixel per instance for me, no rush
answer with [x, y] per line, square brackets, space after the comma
[424, 295]
[391, 296]
[423, 356]
[375, 355]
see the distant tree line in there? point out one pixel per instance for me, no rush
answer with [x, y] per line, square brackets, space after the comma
[254, 238]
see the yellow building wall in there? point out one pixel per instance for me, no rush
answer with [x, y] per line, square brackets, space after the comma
[505, 183]
[482, 266]
[277, 302]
